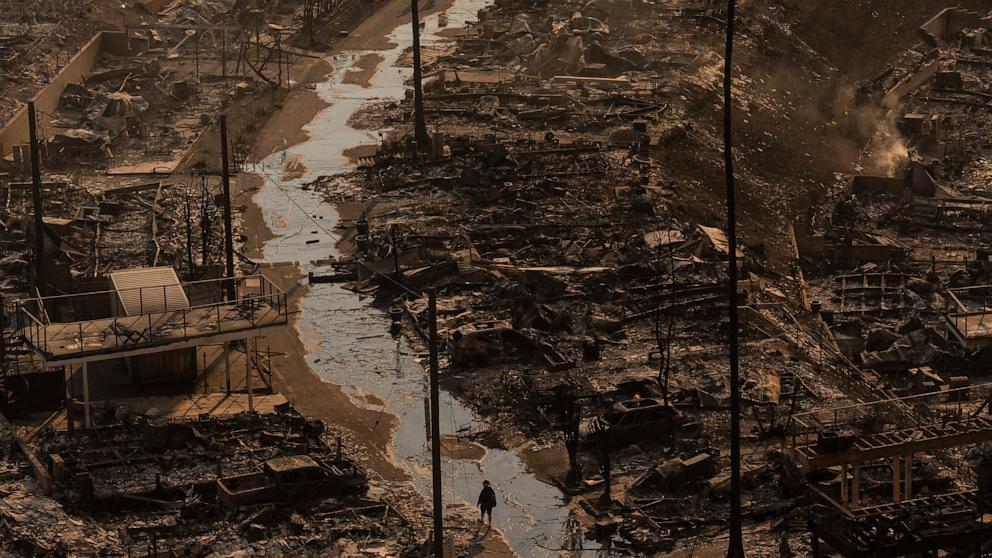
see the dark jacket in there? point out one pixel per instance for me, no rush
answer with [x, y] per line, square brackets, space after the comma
[487, 498]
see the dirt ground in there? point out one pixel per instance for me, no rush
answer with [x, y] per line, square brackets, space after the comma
[367, 65]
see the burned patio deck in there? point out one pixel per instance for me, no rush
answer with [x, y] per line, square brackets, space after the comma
[257, 305]
[900, 442]
[898, 427]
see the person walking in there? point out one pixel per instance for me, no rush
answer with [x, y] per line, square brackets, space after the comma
[487, 501]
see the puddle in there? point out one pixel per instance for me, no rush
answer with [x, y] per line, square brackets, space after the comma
[347, 340]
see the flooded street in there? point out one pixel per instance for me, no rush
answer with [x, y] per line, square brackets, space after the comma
[347, 340]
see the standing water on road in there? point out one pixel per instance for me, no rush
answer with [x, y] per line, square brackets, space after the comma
[346, 339]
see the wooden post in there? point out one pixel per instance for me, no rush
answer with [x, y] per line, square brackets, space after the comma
[435, 426]
[735, 545]
[856, 486]
[87, 421]
[251, 402]
[396, 254]
[843, 485]
[908, 477]
[420, 120]
[897, 478]
[67, 376]
[227, 365]
[223, 52]
[196, 55]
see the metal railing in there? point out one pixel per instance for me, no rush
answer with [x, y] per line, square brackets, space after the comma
[887, 415]
[258, 302]
[961, 321]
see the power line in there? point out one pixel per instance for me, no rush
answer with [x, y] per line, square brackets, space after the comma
[331, 235]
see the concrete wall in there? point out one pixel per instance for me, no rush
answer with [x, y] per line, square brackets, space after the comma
[948, 24]
[807, 244]
[909, 84]
[15, 131]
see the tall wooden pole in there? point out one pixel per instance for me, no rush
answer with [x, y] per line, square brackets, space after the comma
[435, 427]
[39, 223]
[396, 254]
[735, 548]
[223, 53]
[420, 121]
[228, 227]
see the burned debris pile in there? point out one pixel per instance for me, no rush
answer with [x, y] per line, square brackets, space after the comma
[582, 278]
[211, 483]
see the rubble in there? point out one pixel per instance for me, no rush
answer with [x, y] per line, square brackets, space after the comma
[568, 211]
[553, 210]
[175, 485]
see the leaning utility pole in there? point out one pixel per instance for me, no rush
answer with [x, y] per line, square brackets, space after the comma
[420, 121]
[39, 221]
[735, 547]
[435, 426]
[228, 232]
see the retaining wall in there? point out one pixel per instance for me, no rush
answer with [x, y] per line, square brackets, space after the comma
[15, 131]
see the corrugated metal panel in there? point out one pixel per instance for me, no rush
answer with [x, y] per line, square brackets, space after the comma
[149, 290]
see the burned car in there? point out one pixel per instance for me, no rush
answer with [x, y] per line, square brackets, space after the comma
[632, 420]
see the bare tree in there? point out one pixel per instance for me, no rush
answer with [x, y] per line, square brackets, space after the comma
[187, 215]
[568, 416]
[664, 336]
[208, 214]
[605, 447]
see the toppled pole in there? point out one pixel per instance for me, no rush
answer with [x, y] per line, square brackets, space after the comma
[39, 221]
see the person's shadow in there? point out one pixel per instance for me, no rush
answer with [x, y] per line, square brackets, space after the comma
[478, 544]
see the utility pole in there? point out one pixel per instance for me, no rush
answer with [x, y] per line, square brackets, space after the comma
[435, 427]
[420, 121]
[223, 53]
[228, 232]
[39, 223]
[3, 340]
[396, 254]
[735, 548]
